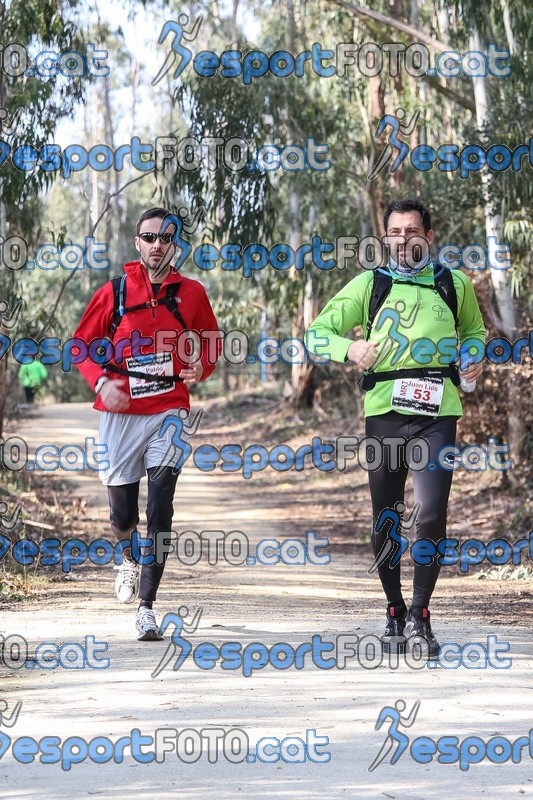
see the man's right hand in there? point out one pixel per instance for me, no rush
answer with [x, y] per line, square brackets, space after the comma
[113, 397]
[362, 353]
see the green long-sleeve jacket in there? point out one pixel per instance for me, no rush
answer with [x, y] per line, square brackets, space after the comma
[32, 374]
[413, 328]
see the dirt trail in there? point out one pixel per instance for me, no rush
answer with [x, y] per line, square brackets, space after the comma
[262, 604]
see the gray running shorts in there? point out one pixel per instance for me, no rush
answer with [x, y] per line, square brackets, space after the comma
[133, 444]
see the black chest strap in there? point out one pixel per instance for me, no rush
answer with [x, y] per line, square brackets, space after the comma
[382, 284]
[170, 300]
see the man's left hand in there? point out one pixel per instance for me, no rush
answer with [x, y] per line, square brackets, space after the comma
[193, 373]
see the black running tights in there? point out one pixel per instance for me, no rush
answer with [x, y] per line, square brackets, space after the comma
[431, 490]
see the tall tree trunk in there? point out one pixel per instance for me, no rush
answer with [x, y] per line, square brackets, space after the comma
[302, 375]
[234, 32]
[121, 256]
[511, 41]
[6, 275]
[376, 110]
[3, 296]
[516, 428]
[114, 216]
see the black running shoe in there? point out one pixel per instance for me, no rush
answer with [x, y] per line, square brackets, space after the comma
[393, 640]
[419, 634]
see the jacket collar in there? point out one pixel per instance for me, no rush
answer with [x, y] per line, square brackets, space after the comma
[426, 273]
[139, 273]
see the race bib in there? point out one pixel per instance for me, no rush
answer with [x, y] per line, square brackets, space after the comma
[418, 395]
[154, 365]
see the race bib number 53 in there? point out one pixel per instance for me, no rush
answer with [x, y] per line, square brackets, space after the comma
[418, 396]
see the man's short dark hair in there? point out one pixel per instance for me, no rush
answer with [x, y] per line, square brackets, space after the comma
[402, 206]
[152, 213]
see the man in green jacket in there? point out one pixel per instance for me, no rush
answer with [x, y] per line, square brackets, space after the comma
[418, 319]
[31, 376]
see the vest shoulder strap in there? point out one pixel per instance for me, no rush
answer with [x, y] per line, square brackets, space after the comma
[446, 288]
[119, 298]
[171, 300]
[382, 284]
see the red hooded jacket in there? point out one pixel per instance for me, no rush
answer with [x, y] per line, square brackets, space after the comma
[166, 339]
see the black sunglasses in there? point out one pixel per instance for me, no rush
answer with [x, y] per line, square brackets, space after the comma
[150, 238]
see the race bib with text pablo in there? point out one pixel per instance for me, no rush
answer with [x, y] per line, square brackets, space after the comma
[156, 365]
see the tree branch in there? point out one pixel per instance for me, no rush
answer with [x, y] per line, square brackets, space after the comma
[66, 281]
[9, 384]
[413, 33]
[457, 98]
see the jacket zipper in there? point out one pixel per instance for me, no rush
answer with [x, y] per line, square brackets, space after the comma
[149, 293]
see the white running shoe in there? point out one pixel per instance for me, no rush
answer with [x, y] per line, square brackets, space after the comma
[127, 580]
[147, 627]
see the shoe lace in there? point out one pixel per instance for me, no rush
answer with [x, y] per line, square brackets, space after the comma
[128, 574]
[423, 628]
[147, 616]
[394, 626]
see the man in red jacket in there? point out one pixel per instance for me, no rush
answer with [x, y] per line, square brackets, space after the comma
[140, 381]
